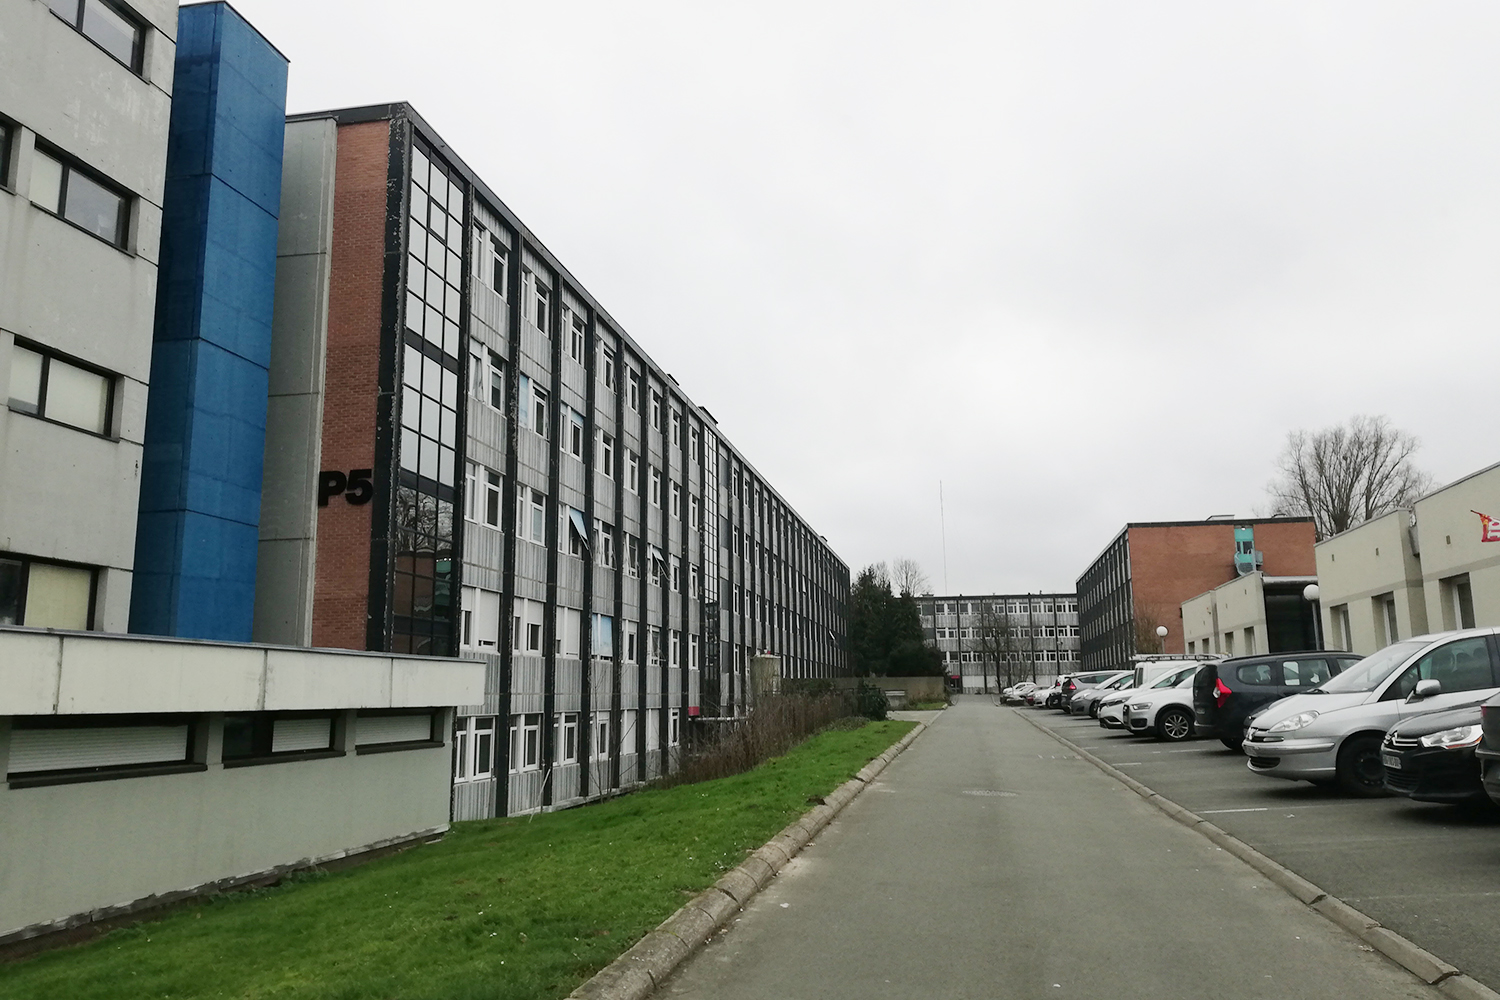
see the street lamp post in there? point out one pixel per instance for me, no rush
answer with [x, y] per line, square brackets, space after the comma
[1310, 595]
[1161, 633]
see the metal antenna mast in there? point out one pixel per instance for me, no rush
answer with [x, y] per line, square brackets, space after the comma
[943, 524]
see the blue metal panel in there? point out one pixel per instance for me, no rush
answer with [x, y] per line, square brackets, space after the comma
[206, 412]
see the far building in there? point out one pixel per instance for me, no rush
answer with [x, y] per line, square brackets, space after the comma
[994, 640]
[1145, 574]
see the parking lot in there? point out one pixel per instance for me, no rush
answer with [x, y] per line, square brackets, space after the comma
[1429, 872]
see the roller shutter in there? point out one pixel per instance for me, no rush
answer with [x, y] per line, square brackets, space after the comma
[33, 750]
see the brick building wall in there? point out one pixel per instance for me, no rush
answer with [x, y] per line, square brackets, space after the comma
[1171, 563]
[352, 373]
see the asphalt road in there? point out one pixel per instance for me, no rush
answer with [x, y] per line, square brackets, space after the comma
[1429, 872]
[988, 861]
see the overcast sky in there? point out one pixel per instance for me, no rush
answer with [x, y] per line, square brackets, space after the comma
[1082, 263]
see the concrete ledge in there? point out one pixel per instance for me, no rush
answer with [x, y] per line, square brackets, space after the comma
[1405, 953]
[641, 970]
[1461, 987]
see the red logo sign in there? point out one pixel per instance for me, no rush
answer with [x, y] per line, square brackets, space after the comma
[1489, 527]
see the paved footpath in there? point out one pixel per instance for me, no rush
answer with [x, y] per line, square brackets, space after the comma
[989, 862]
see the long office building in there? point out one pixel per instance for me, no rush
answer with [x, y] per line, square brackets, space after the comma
[992, 640]
[467, 455]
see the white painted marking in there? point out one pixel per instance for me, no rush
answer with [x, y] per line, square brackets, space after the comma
[1129, 763]
[1214, 812]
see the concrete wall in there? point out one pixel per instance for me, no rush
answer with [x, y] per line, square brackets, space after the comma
[1451, 537]
[286, 562]
[62, 89]
[77, 848]
[1359, 567]
[78, 843]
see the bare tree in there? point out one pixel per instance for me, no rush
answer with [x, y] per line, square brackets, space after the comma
[998, 644]
[1343, 476]
[907, 578]
[1147, 617]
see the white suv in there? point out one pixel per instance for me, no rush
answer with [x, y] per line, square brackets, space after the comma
[1111, 714]
[1163, 711]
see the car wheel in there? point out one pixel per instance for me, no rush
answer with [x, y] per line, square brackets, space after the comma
[1359, 769]
[1235, 743]
[1094, 710]
[1174, 725]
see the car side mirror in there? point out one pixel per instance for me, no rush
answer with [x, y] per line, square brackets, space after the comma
[1426, 689]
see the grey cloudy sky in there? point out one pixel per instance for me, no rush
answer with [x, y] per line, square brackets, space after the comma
[1083, 263]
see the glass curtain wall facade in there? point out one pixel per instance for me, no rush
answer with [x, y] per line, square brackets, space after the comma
[989, 642]
[548, 499]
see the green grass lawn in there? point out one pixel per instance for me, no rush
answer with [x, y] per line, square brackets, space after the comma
[522, 908]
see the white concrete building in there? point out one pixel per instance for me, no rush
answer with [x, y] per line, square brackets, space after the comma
[139, 770]
[1428, 568]
[85, 97]
[1249, 615]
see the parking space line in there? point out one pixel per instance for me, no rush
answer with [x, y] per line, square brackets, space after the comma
[1215, 812]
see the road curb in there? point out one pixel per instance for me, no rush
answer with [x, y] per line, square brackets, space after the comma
[643, 968]
[1404, 952]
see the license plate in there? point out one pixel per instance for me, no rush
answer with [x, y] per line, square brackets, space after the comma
[1391, 761]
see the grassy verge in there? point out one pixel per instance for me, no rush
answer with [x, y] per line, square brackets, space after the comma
[521, 908]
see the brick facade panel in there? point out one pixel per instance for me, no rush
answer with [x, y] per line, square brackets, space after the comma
[352, 374]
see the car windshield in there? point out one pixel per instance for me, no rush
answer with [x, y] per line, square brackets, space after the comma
[1367, 674]
[1174, 679]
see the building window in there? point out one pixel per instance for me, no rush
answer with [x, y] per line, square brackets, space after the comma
[658, 566]
[46, 594]
[538, 516]
[576, 341]
[632, 471]
[656, 487]
[632, 556]
[607, 369]
[481, 619]
[675, 649]
[604, 635]
[676, 500]
[542, 300]
[573, 526]
[54, 749]
[499, 266]
[471, 490]
[604, 543]
[46, 386]
[474, 748]
[605, 460]
[693, 652]
[676, 428]
[526, 742]
[260, 736]
[655, 410]
[390, 730]
[71, 193]
[634, 396]
[694, 580]
[7, 143]
[538, 410]
[653, 648]
[497, 383]
[693, 512]
[492, 498]
[107, 26]
[575, 433]
[567, 743]
[632, 648]
[601, 736]
[676, 575]
[695, 445]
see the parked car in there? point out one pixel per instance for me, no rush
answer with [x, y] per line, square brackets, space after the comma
[1072, 684]
[1333, 733]
[1163, 712]
[1016, 693]
[1086, 702]
[1228, 692]
[1431, 758]
[1048, 697]
[1111, 714]
[1488, 751]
